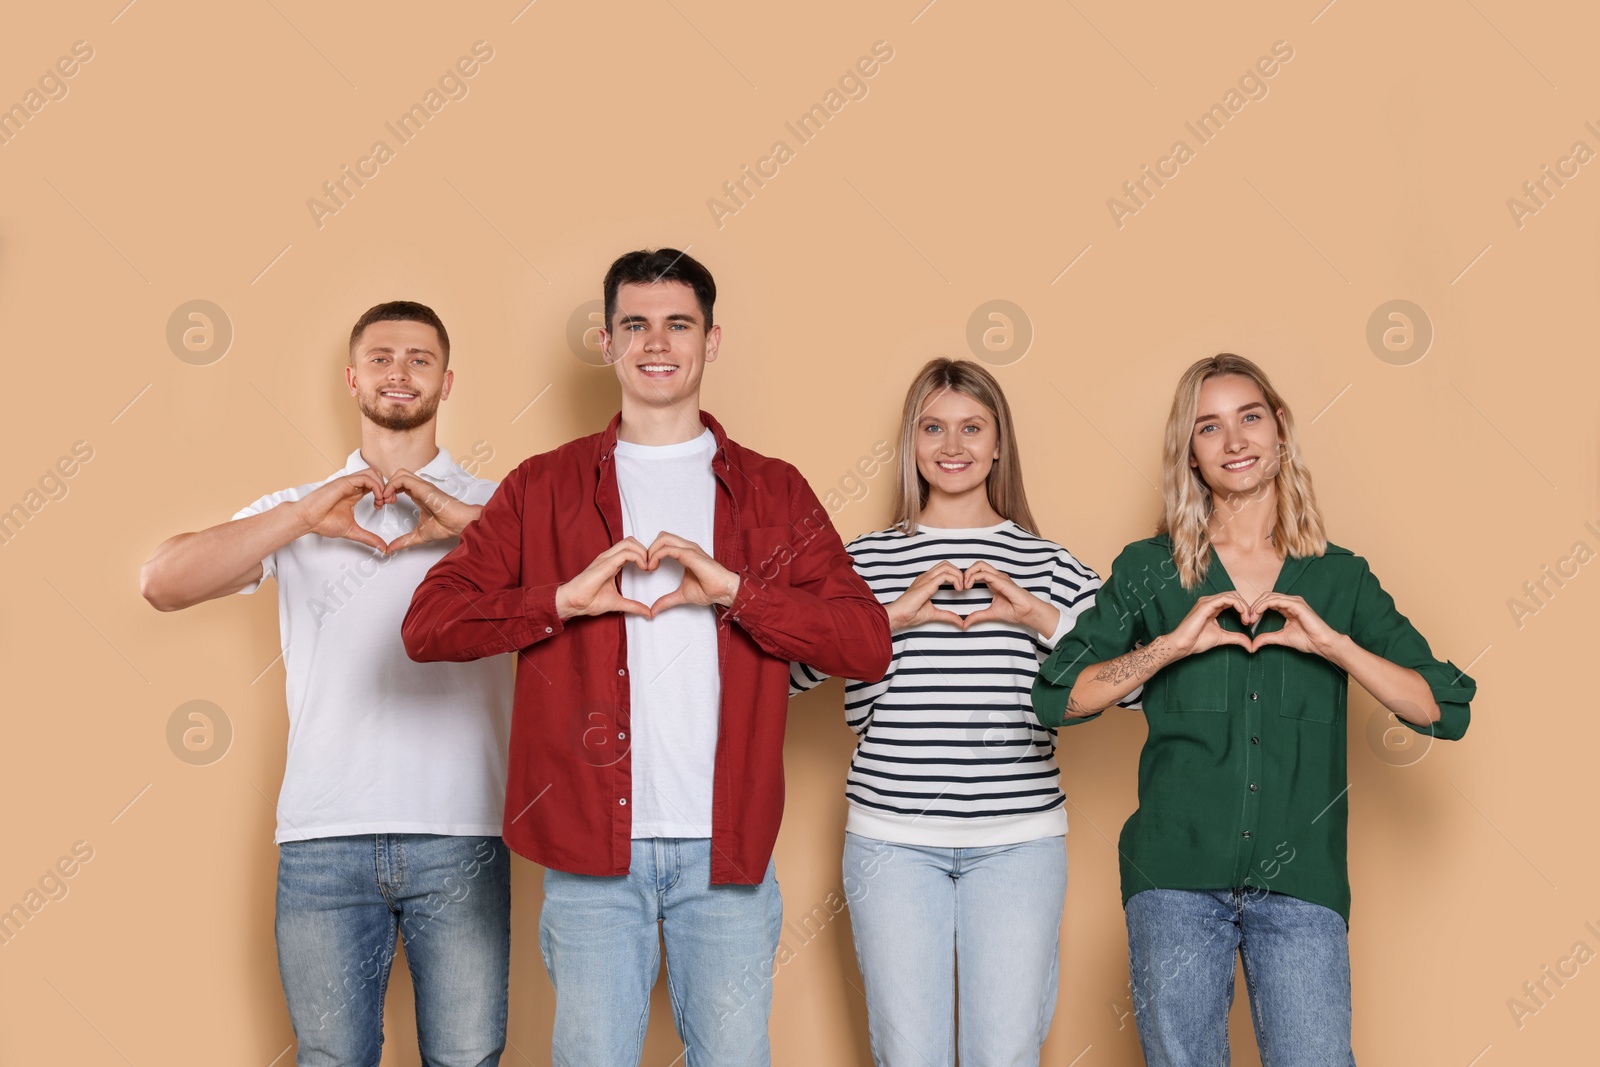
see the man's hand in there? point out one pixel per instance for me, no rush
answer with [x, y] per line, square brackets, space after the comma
[705, 581]
[329, 511]
[440, 517]
[594, 591]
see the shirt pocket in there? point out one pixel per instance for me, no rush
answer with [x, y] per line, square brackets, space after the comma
[1313, 689]
[1196, 683]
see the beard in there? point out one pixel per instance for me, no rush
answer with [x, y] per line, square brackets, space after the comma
[406, 418]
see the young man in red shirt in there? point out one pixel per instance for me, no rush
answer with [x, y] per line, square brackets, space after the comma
[655, 580]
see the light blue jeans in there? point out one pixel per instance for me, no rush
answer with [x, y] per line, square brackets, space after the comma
[341, 903]
[935, 927]
[1182, 946]
[599, 939]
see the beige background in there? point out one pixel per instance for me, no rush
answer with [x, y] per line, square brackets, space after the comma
[977, 167]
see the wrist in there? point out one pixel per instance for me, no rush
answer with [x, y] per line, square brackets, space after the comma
[302, 523]
[1044, 618]
[733, 591]
[1337, 650]
[466, 515]
[564, 609]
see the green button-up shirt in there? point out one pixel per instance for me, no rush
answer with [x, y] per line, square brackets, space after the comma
[1242, 779]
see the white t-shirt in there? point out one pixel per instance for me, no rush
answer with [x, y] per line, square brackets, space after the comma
[379, 743]
[674, 682]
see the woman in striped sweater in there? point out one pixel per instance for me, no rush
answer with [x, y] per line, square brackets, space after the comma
[955, 865]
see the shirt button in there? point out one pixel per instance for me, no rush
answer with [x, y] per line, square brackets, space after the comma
[621, 672]
[624, 737]
[1255, 740]
[1255, 696]
[549, 629]
[624, 802]
[1252, 787]
[1247, 833]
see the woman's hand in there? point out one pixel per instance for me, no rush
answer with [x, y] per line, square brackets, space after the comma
[1200, 631]
[915, 606]
[1303, 629]
[1011, 602]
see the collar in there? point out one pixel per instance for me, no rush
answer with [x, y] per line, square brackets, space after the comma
[436, 469]
[719, 459]
[1218, 580]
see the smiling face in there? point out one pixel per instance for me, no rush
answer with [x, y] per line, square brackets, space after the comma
[1235, 446]
[658, 343]
[957, 442]
[397, 374]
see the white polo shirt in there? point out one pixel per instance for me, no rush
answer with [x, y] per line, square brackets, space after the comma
[379, 743]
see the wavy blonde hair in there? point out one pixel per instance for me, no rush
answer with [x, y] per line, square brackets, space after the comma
[963, 376]
[1298, 529]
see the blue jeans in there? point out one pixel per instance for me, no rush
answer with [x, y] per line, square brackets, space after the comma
[942, 930]
[598, 935]
[1182, 944]
[341, 903]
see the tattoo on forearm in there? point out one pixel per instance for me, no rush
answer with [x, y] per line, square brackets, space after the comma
[1141, 663]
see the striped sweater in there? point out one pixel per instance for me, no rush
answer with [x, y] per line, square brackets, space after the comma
[950, 753]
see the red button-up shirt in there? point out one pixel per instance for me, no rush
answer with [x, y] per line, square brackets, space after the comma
[569, 787]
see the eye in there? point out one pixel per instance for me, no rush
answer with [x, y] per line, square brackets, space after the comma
[970, 426]
[932, 427]
[1253, 416]
[1207, 428]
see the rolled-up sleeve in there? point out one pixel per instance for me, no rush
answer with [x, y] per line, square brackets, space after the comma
[1378, 627]
[1113, 626]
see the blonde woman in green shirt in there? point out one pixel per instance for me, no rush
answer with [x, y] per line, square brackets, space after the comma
[1243, 624]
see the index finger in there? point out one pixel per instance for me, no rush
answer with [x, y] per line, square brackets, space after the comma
[943, 571]
[365, 479]
[1219, 602]
[627, 550]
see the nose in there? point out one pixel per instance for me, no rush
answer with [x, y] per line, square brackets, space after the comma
[656, 341]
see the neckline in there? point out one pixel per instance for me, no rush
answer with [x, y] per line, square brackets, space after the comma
[922, 528]
[706, 441]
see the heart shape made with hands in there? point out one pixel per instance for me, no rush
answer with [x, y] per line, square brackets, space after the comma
[1008, 601]
[1299, 622]
[700, 573]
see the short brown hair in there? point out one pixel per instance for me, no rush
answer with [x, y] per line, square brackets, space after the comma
[402, 311]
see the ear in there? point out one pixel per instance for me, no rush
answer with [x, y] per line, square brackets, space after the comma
[449, 380]
[713, 343]
[605, 346]
[350, 380]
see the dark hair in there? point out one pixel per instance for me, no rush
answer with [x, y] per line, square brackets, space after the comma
[662, 265]
[402, 311]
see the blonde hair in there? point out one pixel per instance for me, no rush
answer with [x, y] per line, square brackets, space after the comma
[963, 376]
[1297, 530]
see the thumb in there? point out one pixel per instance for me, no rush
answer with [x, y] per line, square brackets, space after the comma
[405, 540]
[361, 535]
